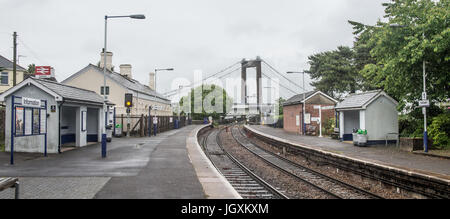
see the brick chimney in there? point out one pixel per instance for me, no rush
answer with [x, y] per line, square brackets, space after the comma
[108, 60]
[125, 70]
[152, 81]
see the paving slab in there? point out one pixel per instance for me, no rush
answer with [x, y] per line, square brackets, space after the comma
[380, 154]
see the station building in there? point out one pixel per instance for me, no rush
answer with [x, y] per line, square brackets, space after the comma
[374, 111]
[42, 116]
[295, 120]
[120, 83]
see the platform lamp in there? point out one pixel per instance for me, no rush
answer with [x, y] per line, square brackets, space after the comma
[304, 97]
[135, 16]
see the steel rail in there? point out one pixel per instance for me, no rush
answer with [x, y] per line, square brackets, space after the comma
[391, 183]
[252, 175]
[314, 176]
[359, 190]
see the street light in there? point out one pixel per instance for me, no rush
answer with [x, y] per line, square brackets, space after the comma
[304, 97]
[135, 16]
[161, 69]
[424, 94]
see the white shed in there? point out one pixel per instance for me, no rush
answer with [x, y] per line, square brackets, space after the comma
[374, 111]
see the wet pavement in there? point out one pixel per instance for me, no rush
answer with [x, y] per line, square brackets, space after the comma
[386, 155]
[155, 167]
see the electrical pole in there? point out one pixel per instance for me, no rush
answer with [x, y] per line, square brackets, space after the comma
[14, 58]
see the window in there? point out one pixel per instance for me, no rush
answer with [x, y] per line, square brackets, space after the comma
[102, 90]
[4, 78]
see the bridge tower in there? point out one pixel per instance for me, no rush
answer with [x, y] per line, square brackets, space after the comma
[251, 64]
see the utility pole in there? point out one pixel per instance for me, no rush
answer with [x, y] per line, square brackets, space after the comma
[14, 58]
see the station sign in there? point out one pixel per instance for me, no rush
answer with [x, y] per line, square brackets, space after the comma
[424, 103]
[43, 70]
[29, 102]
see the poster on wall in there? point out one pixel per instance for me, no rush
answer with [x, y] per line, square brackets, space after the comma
[19, 120]
[43, 122]
[28, 120]
[297, 120]
[36, 121]
[308, 118]
[83, 116]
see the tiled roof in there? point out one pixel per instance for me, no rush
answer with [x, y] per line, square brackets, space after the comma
[127, 82]
[71, 93]
[357, 100]
[298, 98]
[7, 64]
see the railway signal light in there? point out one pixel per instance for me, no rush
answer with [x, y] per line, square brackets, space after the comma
[129, 100]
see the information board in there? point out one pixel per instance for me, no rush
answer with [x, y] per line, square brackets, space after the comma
[28, 120]
[43, 123]
[19, 120]
[307, 118]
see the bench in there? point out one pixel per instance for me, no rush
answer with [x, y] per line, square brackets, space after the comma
[9, 182]
[391, 134]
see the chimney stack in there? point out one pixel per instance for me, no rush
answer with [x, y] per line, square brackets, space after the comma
[108, 60]
[125, 70]
[152, 81]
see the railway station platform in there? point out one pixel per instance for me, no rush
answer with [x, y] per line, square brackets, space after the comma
[385, 156]
[168, 166]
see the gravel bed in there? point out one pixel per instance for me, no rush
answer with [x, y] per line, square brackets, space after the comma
[291, 186]
[387, 192]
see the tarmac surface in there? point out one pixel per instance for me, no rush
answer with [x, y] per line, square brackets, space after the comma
[381, 154]
[150, 168]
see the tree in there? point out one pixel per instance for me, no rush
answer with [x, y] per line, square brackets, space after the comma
[398, 53]
[334, 72]
[31, 69]
[206, 100]
[280, 103]
[362, 56]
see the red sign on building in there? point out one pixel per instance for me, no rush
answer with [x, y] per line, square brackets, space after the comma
[43, 70]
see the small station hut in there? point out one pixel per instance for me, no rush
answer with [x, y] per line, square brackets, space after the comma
[374, 111]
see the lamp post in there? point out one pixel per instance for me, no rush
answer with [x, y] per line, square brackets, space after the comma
[135, 16]
[424, 94]
[161, 69]
[304, 97]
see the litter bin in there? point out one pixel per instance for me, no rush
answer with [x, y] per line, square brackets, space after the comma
[109, 133]
[360, 137]
[355, 139]
[118, 131]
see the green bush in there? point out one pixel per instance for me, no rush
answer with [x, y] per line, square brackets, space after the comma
[328, 126]
[439, 131]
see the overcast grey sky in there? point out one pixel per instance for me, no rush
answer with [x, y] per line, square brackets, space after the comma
[187, 35]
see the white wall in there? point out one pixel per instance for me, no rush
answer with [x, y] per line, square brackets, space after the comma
[68, 119]
[381, 118]
[81, 135]
[351, 121]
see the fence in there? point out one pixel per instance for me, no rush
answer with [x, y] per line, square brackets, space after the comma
[143, 125]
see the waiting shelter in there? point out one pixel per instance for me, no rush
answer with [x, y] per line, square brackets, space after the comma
[374, 111]
[42, 116]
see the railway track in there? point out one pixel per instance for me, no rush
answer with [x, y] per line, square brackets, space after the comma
[331, 186]
[243, 180]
